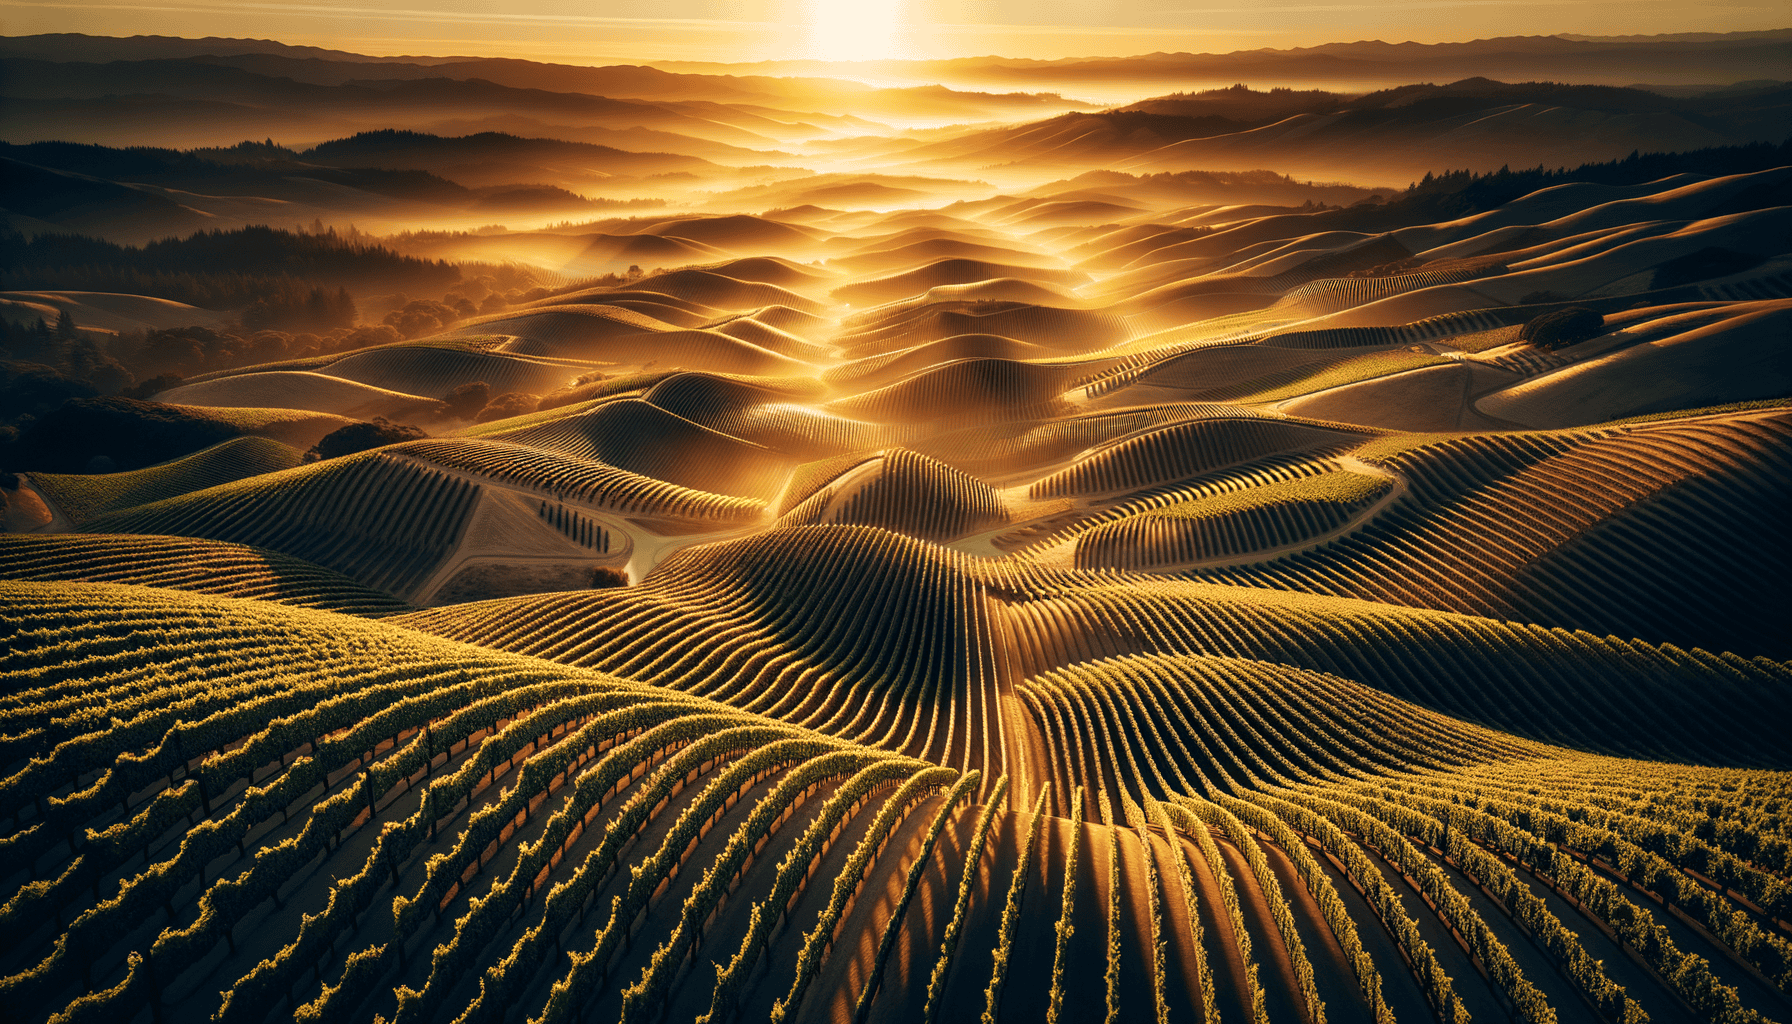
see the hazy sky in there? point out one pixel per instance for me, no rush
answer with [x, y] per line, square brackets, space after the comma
[732, 30]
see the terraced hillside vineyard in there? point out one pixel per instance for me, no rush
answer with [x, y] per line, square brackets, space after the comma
[1133, 593]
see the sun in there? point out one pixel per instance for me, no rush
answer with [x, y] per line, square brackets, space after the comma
[855, 29]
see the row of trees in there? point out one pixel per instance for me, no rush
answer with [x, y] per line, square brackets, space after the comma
[1459, 193]
[296, 309]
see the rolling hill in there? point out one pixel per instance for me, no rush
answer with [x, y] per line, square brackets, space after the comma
[1162, 593]
[1391, 135]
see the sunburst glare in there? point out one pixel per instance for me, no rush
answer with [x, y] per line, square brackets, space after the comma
[855, 29]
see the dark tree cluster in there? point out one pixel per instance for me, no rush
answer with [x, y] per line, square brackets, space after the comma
[102, 434]
[466, 400]
[476, 402]
[508, 404]
[1460, 193]
[63, 350]
[420, 318]
[215, 269]
[315, 310]
[54, 363]
[1560, 328]
[360, 437]
[29, 390]
[190, 351]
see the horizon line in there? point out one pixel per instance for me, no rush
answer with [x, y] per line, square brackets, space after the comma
[700, 23]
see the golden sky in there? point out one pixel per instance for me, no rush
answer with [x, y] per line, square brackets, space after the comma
[746, 30]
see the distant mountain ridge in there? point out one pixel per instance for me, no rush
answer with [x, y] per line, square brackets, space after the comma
[1717, 59]
[147, 192]
[1474, 122]
[62, 45]
[398, 148]
[320, 67]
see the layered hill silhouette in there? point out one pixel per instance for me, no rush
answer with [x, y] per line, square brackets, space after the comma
[1389, 134]
[1607, 60]
[1146, 581]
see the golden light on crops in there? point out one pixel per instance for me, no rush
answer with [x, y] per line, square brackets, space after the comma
[790, 528]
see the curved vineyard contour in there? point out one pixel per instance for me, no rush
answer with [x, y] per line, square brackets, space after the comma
[1093, 604]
